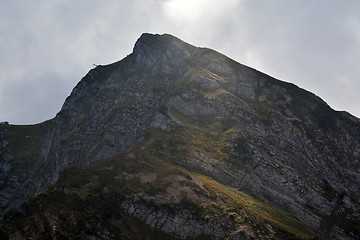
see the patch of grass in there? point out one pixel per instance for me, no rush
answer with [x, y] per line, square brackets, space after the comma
[263, 110]
[242, 208]
[212, 137]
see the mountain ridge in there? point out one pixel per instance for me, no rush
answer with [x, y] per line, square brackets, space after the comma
[214, 116]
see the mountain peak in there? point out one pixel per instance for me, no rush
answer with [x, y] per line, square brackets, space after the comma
[148, 40]
[150, 43]
[156, 37]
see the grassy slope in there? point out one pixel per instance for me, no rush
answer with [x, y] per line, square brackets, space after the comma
[86, 201]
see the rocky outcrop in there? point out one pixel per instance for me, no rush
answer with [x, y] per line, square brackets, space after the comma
[180, 225]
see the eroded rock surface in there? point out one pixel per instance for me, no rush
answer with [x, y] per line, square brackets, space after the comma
[215, 116]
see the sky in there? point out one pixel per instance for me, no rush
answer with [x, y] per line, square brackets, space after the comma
[46, 47]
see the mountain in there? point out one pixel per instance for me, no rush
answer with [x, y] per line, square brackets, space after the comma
[176, 141]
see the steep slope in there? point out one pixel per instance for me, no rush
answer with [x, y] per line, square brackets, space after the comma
[106, 113]
[255, 133]
[19, 161]
[198, 109]
[139, 196]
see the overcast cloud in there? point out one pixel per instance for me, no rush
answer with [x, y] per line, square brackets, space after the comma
[46, 47]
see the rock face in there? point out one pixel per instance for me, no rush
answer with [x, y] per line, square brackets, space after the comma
[209, 114]
[106, 113]
[180, 225]
[113, 105]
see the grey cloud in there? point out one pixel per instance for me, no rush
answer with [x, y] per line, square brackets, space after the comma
[47, 46]
[310, 43]
[46, 97]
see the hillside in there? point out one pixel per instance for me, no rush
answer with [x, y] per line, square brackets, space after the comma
[173, 130]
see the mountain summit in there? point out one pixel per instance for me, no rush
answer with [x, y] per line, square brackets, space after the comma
[186, 143]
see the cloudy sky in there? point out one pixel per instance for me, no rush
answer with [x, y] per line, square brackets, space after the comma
[46, 47]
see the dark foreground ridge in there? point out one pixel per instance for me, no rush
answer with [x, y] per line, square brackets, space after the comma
[185, 143]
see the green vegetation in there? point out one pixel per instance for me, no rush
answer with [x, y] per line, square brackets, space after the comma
[86, 201]
[245, 209]
[24, 140]
[24, 143]
[263, 110]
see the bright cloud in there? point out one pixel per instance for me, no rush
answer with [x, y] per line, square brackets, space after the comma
[193, 11]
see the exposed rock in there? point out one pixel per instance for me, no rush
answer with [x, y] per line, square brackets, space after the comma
[181, 225]
[209, 114]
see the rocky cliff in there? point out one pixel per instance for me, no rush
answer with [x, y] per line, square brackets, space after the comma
[200, 111]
